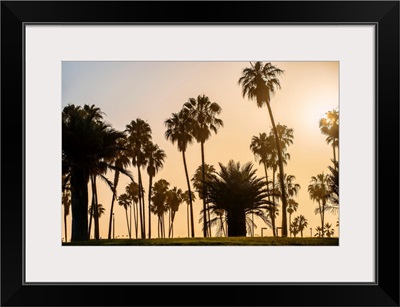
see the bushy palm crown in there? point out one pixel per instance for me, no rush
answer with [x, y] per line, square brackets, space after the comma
[319, 188]
[179, 129]
[159, 198]
[262, 147]
[204, 115]
[197, 179]
[329, 126]
[237, 187]
[139, 133]
[155, 158]
[260, 81]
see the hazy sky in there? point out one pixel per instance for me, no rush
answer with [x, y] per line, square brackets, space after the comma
[153, 91]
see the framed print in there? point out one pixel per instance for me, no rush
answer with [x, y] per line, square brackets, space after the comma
[84, 83]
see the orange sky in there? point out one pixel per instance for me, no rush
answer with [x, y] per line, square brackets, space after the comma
[153, 90]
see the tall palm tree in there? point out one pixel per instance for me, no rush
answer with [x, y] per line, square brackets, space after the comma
[159, 203]
[174, 200]
[259, 82]
[329, 126]
[319, 191]
[204, 113]
[186, 197]
[121, 161]
[238, 191]
[301, 222]
[125, 201]
[87, 145]
[334, 185]
[155, 161]
[179, 130]
[208, 172]
[139, 133]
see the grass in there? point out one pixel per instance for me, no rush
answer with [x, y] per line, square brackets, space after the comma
[217, 241]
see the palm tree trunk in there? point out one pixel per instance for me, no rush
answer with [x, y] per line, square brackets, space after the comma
[290, 223]
[143, 205]
[79, 205]
[187, 219]
[203, 190]
[171, 229]
[96, 213]
[127, 223]
[65, 226]
[190, 193]
[150, 183]
[281, 173]
[116, 177]
[323, 215]
[91, 208]
[140, 213]
[273, 207]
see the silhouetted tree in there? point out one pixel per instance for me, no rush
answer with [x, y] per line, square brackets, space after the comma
[204, 114]
[259, 83]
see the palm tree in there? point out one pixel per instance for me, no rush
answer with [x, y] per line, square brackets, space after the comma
[294, 228]
[132, 190]
[139, 134]
[292, 207]
[174, 200]
[100, 210]
[319, 191]
[204, 113]
[159, 203]
[329, 230]
[179, 130]
[197, 179]
[259, 83]
[329, 126]
[87, 145]
[186, 197]
[238, 191]
[301, 222]
[333, 183]
[155, 160]
[121, 161]
[125, 201]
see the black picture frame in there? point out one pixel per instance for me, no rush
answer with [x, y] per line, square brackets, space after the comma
[383, 14]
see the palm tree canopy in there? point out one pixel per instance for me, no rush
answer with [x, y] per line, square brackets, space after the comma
[259, 82]
[237, 186]
[100, 210]
[159, 197]
[155, 158]
[179, 129]
[124, 200]
[204, 114]
[319, 188]
[197, 179]
[329, 126]
[139, 133]
[262, 147]
[174, 198]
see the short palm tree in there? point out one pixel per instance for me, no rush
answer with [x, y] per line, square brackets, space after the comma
[259, 82]
[179, 130]
[238, 191]
[155, 161]
[204, 114]
[319, 191]
[125, 201]
[187, 199]
[301, 222]
[132, 190]
[208, 172]
[159, 203]
[174, 200]
[292, 207]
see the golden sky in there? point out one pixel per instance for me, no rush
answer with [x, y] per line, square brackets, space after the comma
[153, 91]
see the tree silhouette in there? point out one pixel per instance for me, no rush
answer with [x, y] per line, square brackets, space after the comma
[204, 114]
[179, 130]
[329, 126]
[238, 191]
[139, 133]
[155, 160]
[159, 204]
[319, 191]
[259, 83]
[125, 201]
